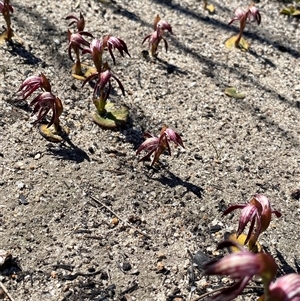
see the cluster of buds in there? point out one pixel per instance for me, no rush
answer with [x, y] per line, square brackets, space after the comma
[250, 15]
[154, 38]
[44, 101]
[158, 145]
[6, 9]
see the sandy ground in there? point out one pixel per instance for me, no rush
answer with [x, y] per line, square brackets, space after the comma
[66, 245]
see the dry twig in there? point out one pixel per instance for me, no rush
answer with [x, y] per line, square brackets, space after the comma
[117, 216]
[6, 292]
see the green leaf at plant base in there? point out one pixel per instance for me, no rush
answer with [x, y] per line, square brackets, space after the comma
[86, 71]
[114, 117]
[53, 135]
[231, 43]
[15, 39]
[231, 92]
[290, 11]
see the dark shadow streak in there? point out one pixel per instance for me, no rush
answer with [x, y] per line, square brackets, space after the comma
[172, 181]
[225, 26]
[297, 264]
[69, 151]
[284, 267]
[48, 28]
[19, 50]
[170, 68]
[210, 63]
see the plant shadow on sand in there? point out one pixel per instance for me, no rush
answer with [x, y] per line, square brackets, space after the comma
[172, 181]
[68, 151]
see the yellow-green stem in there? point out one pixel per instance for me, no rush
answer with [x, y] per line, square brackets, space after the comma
[100, 103]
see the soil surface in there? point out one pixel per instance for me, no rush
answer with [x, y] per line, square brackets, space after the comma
[83, 219]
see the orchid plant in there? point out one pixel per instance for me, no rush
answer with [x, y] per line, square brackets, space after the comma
[158, 145]
[258, 213]
[242, 267]
[77, 43]
[6, 9]
[107, 115]
[250, 15]
[154, 38]
[42, 104]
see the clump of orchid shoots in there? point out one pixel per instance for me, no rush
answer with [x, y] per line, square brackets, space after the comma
[250, 15]
[6, 9]
[108, 115]
[154, 38]
[258, 213]
[78, 43]
[44, 102]
[158, 145]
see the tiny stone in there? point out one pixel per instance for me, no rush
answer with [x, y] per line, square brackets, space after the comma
[126, 266]
[20, 185]
[37, 156]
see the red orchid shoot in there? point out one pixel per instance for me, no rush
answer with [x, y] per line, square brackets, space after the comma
[250, 15]
[79, 22]
[32, 83]
[158, 145]
[6, 9]
[42, 104]
[285, 288]
[241, 267]
[77, 43]
[258, 213]
[103, 87]
[97, 48]
[107, 115]
[154, 38]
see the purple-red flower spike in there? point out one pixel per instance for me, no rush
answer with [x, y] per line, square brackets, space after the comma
[163, 25]
[45, 102]
[111, 43]
[79, 22]
[241, 267]
[96, 50]
[103, 79]
[155, 37]
[239, 14]
[157, 145]
[32, 83]
[254, 14]
[251, 15]
[258, 212]
[77, 42]
[285, 288]
[5, 7]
